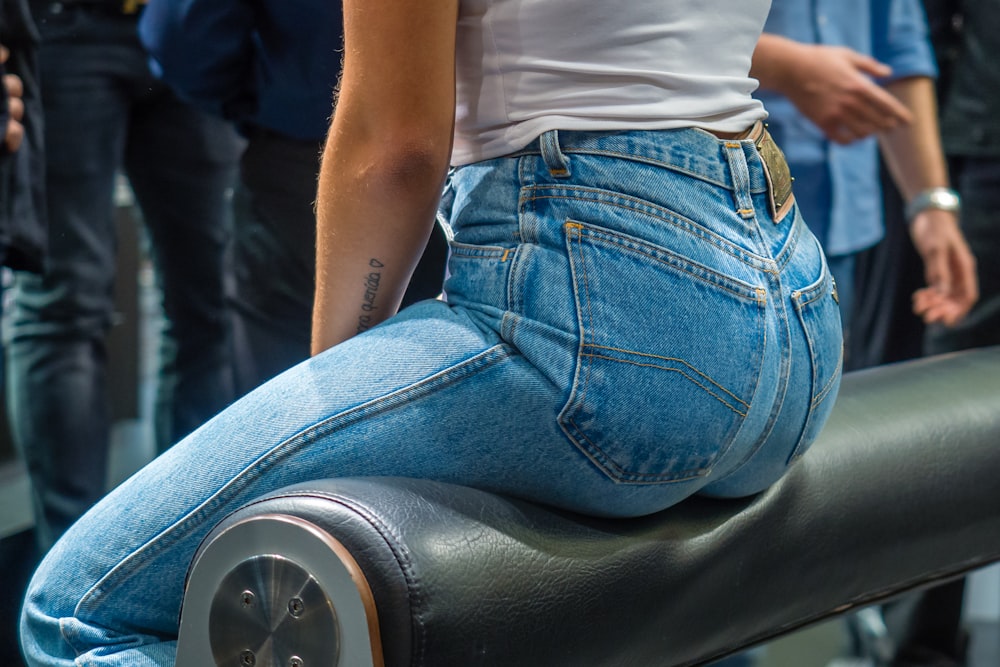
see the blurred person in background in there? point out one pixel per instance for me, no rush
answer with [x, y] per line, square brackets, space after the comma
[22, 243]
[927, 628]
[847, 84]
[271, 67]
[840, 80]
[105, 113]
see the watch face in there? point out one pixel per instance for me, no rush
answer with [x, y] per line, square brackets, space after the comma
[944, 199]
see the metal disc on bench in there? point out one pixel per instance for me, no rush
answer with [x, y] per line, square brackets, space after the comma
[270, 612]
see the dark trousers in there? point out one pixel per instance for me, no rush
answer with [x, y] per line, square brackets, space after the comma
[927, 626]
[273, 257]
[105, 114]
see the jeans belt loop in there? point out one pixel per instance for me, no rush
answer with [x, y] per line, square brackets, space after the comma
[552, 154]
[739, 173]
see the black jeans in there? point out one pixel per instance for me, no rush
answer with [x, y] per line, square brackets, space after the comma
[106, 114]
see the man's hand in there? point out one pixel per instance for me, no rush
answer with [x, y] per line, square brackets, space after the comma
[14, 132]
[949, 268]
[832, 86]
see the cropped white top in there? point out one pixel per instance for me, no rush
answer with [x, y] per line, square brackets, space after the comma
[528, 66]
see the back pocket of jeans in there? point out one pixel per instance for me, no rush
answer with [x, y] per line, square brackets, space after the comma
[669, 355]
[819, 314]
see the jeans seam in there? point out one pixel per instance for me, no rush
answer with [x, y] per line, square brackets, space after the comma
[575, 239]
[668, 368]
[739, 173]
[781, 383]
[632, 157]
[679, 263]
[239, 482]
[689, 226]
[591, 449]
[606, 463]
[791, 243]
[822, 393]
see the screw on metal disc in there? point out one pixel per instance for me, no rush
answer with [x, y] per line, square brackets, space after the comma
[296, 607]
[268, 611]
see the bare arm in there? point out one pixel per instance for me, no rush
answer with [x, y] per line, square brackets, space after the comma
[831, 85]
[916, 161]
[385, 161]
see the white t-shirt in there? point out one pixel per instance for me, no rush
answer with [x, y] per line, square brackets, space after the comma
[528, 66]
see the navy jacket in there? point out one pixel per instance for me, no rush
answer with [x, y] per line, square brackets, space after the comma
[266, 63]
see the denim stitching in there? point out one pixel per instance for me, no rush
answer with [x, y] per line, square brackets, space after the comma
[580, 230]
[674, 370]
[831, 382]
[780, 323]
[680, 361]
[307, 436]
[745, 256]
[657, 163]
[593, 450]
[791, 243]
[575, 230]
[578, 238]
[811, 295]
[739, 173]
[465, 250]
[679, 262]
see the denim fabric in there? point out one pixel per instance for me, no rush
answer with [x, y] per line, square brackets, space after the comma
[842, 268]
[625, 326]
[104, 112]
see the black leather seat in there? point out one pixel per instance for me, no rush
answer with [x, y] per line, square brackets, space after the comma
[899, 493]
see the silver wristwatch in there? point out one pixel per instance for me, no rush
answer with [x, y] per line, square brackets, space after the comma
[942, 199]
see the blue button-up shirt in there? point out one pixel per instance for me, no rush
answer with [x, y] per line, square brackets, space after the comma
[265, 63]
[837, 187]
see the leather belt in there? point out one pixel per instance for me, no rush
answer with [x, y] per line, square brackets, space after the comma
[779, 177]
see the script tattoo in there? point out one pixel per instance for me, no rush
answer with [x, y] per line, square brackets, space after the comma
[372, 281]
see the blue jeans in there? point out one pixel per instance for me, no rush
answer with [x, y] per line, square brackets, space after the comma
[105, 112]
[625, 326]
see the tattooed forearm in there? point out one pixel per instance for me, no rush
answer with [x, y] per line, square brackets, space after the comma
[372, 281]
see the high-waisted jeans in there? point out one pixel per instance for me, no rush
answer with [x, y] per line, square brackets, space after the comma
[625, 325]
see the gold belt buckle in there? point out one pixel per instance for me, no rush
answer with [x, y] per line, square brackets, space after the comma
[132, 6]
[779, 178]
